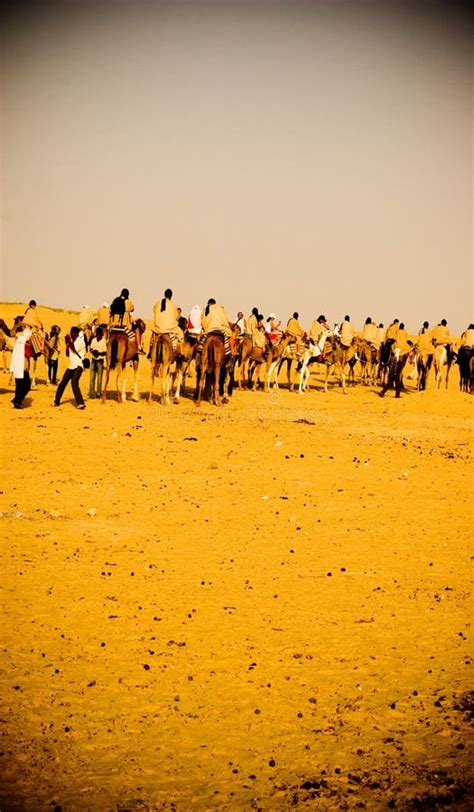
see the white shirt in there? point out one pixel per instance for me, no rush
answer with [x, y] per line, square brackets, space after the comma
[76, 358]
[17, 364]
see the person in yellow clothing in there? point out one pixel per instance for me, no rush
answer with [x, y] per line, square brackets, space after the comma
[392, 329]
[165, 319]
[253, 329]
[103, 315]
[424, 341]
[467, 338]
[121, 311]
[441, 333]
[369, 332]
[347, 332]
[402, 342]
[442, 337]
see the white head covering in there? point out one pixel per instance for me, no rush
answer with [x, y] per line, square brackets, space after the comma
[195, 319]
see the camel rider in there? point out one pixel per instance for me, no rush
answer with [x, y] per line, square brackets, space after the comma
[441, 337]
[32, 321]
[121, 319]
[273, 328]
[241, 323]
[380, 334]
[369, 332]
[85, 317]
[467, 338]
[424, 342]
[103, 315]
[258, 337]
[295, 331]
[165, 320]
[402, 343]
[392, 330]
[214, 319]
[318, 333]
[194, 321]
[347, 332]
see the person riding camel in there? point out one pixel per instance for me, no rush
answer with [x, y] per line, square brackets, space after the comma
[214, 319]
[424, 341]
[194, 320]
[369, 332]
[272, 328]
[467, 338]
[347, 332]
[241, 323]
[295, 331]
[392, 330]
[120, 317]
[85, 317]
[318, 333]
[103, 315]
[259, 339]
[442, 337]
[165, 320]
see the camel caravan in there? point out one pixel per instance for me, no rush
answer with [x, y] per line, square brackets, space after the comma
[249, 353]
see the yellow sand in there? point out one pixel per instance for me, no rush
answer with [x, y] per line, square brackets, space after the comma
[208, 609]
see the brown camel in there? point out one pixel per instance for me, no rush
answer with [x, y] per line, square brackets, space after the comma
[120, 351]
[163, 356]
[213, 363]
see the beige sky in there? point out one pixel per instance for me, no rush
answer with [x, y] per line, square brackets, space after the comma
[310, 156]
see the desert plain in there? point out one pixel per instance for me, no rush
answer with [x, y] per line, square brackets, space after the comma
[259, 606]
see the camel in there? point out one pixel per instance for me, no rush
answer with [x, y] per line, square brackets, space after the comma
[277, 353]
[120, 351]
[367, 356]
[424, 361]
[442, 357]
[466, 369]
[252, 357]
[335, 358]
[214, 363]
[7, 339]
[163, 356]
[187, 354]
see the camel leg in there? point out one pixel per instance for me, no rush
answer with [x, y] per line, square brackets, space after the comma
[177, 385]
[167, 385]
[201, 381]
[217, 373]
[103, 394]
[152, 384]
[136, 393]
[343, 381]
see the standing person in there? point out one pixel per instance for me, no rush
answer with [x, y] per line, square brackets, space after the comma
[98, 349]
[53, 348]
[76, 349]
[19, 367]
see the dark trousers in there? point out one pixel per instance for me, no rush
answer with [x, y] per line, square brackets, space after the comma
[52, 370]
[22, 387]
[72, 375]
[95, 381]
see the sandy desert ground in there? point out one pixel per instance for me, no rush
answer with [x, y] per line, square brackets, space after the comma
[262, 606]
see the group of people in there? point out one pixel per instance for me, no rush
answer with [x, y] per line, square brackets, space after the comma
[90, 337]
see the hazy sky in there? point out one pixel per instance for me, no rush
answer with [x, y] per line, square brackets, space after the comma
[291, 155]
